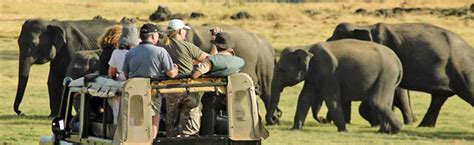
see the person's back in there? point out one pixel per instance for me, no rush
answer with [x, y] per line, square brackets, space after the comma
[183, 54]
[150, 61]
[108, 42]
[183, 112]
[143, 62]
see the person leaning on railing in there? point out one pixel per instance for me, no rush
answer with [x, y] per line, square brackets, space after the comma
[148, 60]
[128, 39]
[183, 117]
[221, 64]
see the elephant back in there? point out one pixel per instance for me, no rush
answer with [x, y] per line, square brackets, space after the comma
[354, 61]
[85, 34]
[256, 51]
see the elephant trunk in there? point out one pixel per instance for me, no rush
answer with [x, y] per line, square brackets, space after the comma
[23, 75]
[277, 87]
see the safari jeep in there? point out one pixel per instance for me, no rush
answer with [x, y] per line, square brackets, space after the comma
[134, 124]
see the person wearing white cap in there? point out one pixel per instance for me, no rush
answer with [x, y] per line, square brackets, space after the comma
[183, 113]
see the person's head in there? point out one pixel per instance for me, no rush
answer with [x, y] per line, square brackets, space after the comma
[129, 37]
[110, 39]
[177, 29]
[223, 42]
[149, 33]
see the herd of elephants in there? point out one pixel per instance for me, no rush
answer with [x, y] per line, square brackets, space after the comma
[376, 64]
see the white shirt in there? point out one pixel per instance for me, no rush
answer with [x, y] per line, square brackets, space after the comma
[116, 60]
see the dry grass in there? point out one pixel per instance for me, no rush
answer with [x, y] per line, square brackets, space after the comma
[283, 24]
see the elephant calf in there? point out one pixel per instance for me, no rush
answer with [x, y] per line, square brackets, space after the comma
[349, 70]
[291, 69]
[83, 63]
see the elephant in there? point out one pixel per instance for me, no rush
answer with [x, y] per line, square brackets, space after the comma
[83, 63]
[435, 60]
[36, 41]
[257, 52]
[350, 70]
[291, 69]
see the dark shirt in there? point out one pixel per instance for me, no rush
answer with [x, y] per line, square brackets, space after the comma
[104, 60]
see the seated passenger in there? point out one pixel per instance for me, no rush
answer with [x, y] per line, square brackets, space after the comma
[128, 39]
[223, 63]
[149, 61]
[183, 116]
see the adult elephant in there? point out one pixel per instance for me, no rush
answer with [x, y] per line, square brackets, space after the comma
[43, 41]
[291, 69]
[435, 60]
[349, 70]
[257, 52]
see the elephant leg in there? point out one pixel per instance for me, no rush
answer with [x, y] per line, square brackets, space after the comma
[315, 108]
[332, 96]
[382, 102]
[334, 105]
[304, 102]
[437, 101]
[346, 109]
[365, 110]
[402, 102]
[54, 89]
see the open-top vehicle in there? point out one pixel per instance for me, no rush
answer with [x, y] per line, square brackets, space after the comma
[134, 120]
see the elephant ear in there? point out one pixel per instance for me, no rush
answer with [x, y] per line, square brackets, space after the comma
[303, 57]
[57, 35]
[94, 63]
[363, 34]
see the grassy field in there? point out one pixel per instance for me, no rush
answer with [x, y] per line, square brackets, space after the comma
[283, 24]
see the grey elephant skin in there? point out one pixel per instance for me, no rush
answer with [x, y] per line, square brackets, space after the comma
[43, 41]
[435, 60]
[351, 70]
[83, 63]
[257, 52]
[254, 49]
[291, 69]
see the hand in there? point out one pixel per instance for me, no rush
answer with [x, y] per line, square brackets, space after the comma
[175, 67]
[214, 31]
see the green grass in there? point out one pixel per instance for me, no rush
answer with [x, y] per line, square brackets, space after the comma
[283, 24]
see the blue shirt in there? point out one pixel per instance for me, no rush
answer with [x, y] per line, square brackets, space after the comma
[147, 60]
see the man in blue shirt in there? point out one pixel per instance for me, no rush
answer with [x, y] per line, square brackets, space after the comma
[150, 61]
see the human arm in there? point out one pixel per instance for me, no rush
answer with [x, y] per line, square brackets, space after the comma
[195, 74]
[126, 75]
[170, 69]
[113, 63]
[172, 73]
[113, 72]
[125, 67]
[214, 32]
[196, 53]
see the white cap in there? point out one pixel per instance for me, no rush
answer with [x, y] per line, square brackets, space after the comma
[176, 24]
